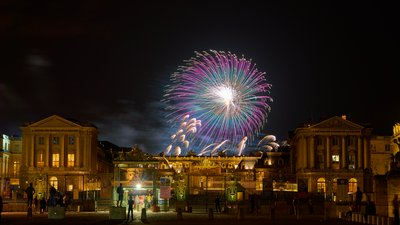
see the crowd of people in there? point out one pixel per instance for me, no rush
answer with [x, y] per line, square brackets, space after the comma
[42, 204]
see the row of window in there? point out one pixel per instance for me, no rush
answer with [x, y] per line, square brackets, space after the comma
[321, 185]
[350, 141]
[55, 160]
[56, 140]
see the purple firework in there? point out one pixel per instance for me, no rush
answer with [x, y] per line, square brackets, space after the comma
[228, 94]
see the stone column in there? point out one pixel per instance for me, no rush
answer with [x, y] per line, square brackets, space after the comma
[328, 154]
[304, 154]
[7, 174]
[311, 153]
[31, 151]
[84, 150]
[26, 147]
[365, 152]
[47, 153]
[359, 151]
[62, 151]
[78, 151]
[343, 157]
[298, 151]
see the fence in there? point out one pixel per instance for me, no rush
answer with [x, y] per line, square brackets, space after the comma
[371, 219]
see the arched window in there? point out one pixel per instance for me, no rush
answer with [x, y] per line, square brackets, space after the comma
[54, 182]
[321, 185]
[353, 185]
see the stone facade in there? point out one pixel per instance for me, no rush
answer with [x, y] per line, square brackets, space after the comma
[332, 149]
[64, 153]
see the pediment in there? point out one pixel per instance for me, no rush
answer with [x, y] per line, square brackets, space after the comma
[54, 121]
[337, 123]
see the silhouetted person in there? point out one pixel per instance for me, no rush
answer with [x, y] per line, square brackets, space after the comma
[252, 203]
[120, 192]
[53, 193]
[395, 210]
[130, 207]
[359, 195]
[42, 205]
[30, 191]
[35, 203]
[217, 204]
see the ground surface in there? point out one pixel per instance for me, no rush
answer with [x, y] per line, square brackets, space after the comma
[171, 217]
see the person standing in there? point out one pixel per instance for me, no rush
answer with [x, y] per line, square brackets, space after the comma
[217, 204]
[35, 203]
[130, 207]
[395, 210]
[53, 193]
[30, 191]
[359, 195]
[120, 191]
[42, 205]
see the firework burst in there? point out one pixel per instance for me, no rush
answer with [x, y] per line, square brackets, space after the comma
[228, 94]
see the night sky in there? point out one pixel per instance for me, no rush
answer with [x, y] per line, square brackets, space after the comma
[108, 62]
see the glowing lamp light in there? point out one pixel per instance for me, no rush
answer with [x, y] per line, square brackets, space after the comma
[138, 186]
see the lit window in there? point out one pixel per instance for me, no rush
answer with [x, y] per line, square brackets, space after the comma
[56, 160]
[71, 160]
[321, 185]
[335, 158]
[70, 187]
[54, 182]
[40, 162]
[16, 168]
[71, 140]
[56, 140]
[352, 185]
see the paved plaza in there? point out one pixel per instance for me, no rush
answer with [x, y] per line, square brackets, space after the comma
[170, 217]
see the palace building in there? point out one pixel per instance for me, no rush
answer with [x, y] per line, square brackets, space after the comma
[330, 158]
[333, 153]
[64, 153]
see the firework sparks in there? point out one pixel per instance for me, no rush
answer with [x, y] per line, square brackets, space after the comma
[228, 94]
[179, 139]
[268, 143]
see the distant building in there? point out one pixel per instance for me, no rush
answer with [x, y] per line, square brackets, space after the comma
[331, 152]
[381, 152]
[10, 163]
[64, 153]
